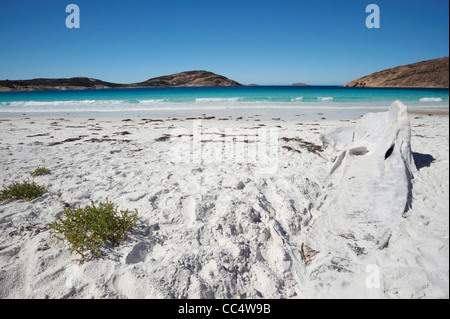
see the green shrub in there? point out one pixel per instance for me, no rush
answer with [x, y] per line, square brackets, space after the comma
[7, 83]
[26, 191]
[40, 171]
[86, 229]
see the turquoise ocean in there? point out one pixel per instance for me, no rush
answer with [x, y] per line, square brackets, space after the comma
[274, 100]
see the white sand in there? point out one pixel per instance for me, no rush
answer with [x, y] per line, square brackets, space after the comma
[217, 226]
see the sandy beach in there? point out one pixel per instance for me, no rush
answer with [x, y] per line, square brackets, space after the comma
[214, 220]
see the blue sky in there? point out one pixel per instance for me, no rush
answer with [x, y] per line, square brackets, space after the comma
[250, 41]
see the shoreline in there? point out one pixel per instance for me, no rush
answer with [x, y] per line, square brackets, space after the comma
[285, 114]
[431, 111]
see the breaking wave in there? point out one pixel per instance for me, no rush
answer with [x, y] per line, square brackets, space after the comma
[216, 98]
[431, 99]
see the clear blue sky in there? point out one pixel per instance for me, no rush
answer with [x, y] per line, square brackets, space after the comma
[250, 41]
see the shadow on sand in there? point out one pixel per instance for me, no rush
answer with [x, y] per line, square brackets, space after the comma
[422, 160]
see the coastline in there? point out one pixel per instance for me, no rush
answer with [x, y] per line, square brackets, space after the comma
[227, 113]
[424, 111]
[287, 103]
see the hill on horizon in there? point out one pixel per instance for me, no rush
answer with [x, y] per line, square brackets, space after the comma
[182, 79]
[426, 74]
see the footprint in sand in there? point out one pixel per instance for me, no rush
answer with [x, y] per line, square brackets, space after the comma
[138, 253]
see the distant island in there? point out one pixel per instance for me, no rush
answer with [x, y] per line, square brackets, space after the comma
[426, 74]
[183, 79]
[300, 84]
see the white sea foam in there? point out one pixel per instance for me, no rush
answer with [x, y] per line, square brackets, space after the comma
[431, 99]
[60, 103]
[48, 103]
[155, 101]
[217, 99]
[74, 103]
[186, 103]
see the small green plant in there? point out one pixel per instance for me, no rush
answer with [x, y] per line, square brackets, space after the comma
[40, 171]
[87, 229]
[26, 191]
